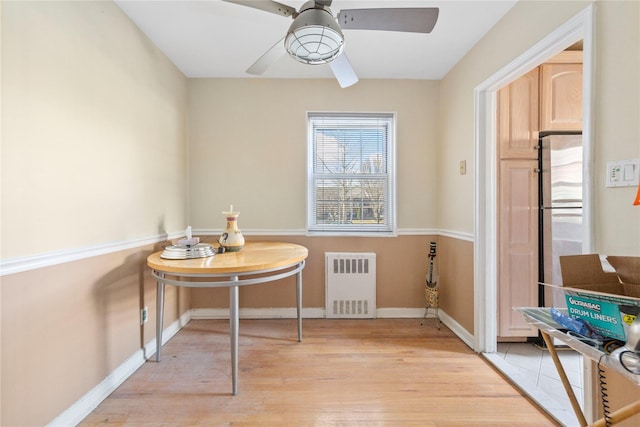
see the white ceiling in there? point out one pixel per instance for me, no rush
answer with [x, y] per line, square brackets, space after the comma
[213, 38]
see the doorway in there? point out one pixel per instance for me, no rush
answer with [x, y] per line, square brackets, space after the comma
[485, 216]
[485, 248]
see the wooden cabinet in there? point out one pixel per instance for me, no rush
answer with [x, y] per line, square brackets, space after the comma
[518, 247]
[518, 118]
[561, 93]
[547, 98]
[517, 131]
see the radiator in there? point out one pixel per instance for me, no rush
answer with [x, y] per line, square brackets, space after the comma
[350, 285]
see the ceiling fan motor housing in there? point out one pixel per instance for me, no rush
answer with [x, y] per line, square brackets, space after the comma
[314, 37]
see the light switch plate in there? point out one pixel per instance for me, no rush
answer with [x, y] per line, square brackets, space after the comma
[623, 173]
[463, 167]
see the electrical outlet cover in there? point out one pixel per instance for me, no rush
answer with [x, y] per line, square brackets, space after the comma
[144, 315]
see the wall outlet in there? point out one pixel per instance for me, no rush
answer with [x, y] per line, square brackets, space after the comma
[463, 167]
[144, 315]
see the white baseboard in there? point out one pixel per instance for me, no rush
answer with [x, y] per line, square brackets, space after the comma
[399, 313]
[456, 328]
[290, 313]
[80, 409]
[319, 313]
[447, 320]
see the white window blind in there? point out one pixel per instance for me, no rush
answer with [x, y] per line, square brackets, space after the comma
[351, 172]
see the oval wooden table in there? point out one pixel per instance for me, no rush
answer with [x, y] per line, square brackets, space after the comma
[257, 262]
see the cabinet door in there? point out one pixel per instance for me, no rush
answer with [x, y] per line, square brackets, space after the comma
[518, 117]
[518, 252]
[561, 97]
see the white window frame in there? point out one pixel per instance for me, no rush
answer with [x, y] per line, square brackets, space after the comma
[390, 226]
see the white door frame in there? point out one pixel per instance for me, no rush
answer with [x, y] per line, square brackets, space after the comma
[580, 27]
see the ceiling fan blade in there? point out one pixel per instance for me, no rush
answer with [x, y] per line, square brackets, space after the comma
[343, 71]
[267, 6]
[268, 58]
[412, 20]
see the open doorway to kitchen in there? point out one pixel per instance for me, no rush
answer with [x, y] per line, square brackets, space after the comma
[539, 189]
[485, 251]
[578, 29]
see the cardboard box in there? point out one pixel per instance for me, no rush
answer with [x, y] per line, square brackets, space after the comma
[608, 301]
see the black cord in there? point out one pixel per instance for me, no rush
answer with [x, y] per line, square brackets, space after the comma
[604, 396]
[630, 360]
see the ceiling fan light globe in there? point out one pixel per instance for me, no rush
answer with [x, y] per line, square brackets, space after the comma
[314, 37]
[314, 45]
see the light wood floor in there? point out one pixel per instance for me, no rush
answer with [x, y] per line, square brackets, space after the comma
[390, 372]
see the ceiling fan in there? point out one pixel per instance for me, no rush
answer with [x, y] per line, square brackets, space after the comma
[315, 35]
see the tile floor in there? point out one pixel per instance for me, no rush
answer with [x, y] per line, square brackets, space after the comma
[532, 369]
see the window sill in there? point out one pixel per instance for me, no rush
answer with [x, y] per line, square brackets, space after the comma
[337, 233]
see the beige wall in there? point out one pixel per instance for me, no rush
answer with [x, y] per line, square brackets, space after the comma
[66, 327]
[524, 25]
[93, 152]
[617, 111]
[455, 263]
[247, 142]
[616, 117]
[401, 267]
[247, 147]
[617, 123]
[90, 107]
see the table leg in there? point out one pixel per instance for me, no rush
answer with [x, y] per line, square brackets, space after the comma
[299, 303]
[159, 316]
[233, 332]
[563, 377]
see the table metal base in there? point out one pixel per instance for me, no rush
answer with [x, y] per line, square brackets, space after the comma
[234, 283]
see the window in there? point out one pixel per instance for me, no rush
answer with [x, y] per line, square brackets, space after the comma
[351, 173]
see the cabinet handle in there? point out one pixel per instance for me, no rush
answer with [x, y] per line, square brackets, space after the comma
[536, 170]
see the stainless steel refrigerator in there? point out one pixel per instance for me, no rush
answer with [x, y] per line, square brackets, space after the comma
[560, 195]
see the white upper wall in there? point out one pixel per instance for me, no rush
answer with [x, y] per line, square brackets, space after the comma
[248, 147]
[617, 123]
[93, 129]
[616, 116]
